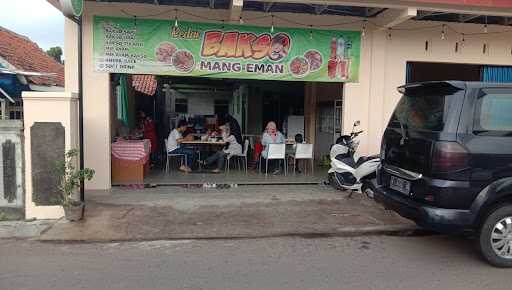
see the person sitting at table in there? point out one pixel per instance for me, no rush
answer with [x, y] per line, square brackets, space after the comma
[148, 128]
[271, 136]
[174, 145]
[290, 151]
[233, 147]
[258, 148]
[234, 127]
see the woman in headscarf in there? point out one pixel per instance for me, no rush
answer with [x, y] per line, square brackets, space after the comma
[271, 136]
[234, 127]
[233, 147]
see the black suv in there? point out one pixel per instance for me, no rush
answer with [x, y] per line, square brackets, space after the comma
[447, 162]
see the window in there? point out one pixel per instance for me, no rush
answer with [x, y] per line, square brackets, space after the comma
[424, 108]
[181, 105]
[493, 112]
[326, 118]
[221, 107]
[15, 110]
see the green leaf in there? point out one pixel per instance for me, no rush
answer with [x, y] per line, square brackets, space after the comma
[70, 178]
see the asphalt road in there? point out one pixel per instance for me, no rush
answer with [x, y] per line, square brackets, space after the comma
[435, 262]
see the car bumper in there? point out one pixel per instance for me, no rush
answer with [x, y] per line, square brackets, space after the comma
[429, 217]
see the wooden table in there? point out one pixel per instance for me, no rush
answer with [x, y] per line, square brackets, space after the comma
[130, 160]
[198, 142]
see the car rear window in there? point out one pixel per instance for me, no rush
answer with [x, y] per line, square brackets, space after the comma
[493, 111]
[423, 109]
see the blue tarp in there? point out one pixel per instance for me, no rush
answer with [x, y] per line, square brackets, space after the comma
[12, 86]
[497, 74]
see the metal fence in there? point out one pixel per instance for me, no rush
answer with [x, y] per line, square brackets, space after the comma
[11, 167]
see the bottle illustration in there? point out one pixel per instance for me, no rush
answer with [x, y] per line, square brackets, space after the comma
[344, 51]
[332, 64]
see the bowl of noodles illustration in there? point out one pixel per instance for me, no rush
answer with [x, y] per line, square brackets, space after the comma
[299, 66]
[164, 51]
[314, 58]
[183, 61]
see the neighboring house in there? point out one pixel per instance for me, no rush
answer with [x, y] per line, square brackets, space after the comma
[24, 66]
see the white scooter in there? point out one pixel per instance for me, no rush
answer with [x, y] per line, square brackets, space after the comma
[348, 170]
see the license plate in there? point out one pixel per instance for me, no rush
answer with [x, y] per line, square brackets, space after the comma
[400, 185]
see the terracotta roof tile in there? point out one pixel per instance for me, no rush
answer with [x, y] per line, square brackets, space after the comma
[26, 55]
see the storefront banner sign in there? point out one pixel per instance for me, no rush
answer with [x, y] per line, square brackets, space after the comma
[166, 47]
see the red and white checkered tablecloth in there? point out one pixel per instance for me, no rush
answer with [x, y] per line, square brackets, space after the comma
[134, 150]
[146, 84]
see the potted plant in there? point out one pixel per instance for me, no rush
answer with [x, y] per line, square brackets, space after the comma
[70, 179]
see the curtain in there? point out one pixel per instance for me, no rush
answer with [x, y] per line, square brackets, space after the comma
[497, 74]
[122, 100]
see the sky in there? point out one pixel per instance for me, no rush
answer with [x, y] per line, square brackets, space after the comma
[36, 19]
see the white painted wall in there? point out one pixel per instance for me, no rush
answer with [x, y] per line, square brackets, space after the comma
[47, 107]
[201, 103]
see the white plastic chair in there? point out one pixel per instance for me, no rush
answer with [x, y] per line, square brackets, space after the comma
[182, 157]
[275, 152]
[242, 156]
[303, 152]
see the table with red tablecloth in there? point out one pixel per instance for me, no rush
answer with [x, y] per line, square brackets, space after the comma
[130, 160]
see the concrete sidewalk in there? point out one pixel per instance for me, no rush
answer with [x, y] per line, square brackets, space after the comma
[24, 229]
[243, 212]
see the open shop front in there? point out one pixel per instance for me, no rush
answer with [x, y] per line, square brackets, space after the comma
[206, 104]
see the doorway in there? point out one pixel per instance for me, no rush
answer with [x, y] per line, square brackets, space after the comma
[429, 71]
[200, 101]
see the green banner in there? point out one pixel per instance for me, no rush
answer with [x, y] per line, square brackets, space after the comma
[166, 47]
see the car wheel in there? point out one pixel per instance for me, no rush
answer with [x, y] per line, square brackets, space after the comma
[333, 181]
[495, 239]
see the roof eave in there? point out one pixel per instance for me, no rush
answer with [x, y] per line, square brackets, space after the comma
[55, 3]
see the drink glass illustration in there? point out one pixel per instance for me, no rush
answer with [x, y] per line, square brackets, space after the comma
[344, 68]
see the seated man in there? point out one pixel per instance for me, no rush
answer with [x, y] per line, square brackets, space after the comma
[174, 145]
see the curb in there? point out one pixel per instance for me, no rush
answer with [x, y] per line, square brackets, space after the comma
[384, 230]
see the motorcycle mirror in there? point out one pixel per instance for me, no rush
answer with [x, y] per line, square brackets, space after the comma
[357, 123]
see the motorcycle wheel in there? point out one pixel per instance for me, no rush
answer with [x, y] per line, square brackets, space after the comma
[333, 181]
[367, 191]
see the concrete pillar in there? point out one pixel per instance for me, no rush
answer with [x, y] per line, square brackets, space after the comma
[96, 102]
[97, 114]
[71, 54]
[377, 117]
[310, 112]
[362, 101]
[51, 129]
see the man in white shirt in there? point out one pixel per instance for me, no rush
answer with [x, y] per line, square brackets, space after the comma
[174, 145]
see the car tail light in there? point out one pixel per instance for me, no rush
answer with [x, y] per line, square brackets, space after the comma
[429, 198]
[449, 157]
